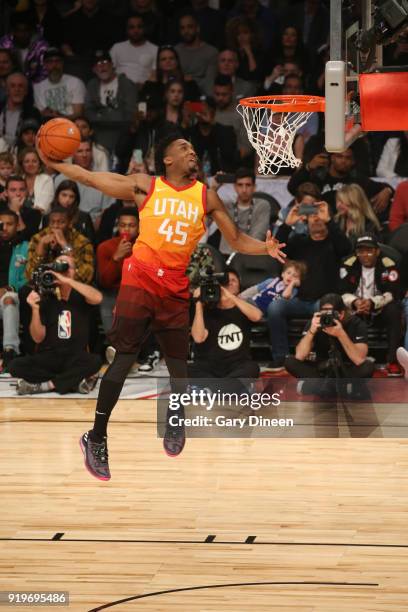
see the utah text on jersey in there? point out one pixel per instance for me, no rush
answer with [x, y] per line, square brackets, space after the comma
[171, 223]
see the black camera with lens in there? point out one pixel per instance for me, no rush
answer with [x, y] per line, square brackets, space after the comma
[202, 272]
[210, 285]
[328, 318]
[43, 280]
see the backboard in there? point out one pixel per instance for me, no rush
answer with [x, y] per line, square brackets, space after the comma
[359, 31]
[348, 18]
[361, 95]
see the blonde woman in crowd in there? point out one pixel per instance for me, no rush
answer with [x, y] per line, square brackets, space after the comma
[355, 215]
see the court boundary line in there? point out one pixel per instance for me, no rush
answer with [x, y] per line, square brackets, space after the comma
[209, 540]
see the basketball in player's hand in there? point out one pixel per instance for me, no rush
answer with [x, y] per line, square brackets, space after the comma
[58, 138]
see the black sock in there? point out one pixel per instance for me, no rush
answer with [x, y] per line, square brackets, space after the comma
[108, 396]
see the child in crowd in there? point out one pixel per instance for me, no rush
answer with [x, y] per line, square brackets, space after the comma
[6, 170]
[284, 286]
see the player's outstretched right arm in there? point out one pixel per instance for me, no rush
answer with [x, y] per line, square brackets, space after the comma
[114, 185]
[238, 240]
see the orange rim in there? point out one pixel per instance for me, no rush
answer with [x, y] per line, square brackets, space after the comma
[287, 104]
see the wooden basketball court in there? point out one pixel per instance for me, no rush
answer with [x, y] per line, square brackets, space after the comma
[230, 525]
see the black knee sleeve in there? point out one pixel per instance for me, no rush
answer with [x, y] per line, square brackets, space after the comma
[120, 367]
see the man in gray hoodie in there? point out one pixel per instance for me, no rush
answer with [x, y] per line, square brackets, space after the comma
[110, 101]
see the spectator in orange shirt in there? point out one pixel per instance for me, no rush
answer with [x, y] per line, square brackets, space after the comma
[110, 256]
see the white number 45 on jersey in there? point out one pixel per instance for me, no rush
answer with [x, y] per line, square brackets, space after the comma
[175, 234]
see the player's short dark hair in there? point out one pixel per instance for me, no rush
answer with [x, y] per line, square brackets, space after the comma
[334, 299]
[160, 152]
[245, 173]
[6, 212]
[128, 211]
[223, 80]
[15, 178]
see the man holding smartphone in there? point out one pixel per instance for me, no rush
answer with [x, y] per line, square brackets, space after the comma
[307, 195]
[331, 171]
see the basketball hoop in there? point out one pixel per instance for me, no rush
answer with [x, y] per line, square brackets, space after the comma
[272, 124]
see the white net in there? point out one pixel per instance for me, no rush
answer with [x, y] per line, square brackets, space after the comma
[272, 132]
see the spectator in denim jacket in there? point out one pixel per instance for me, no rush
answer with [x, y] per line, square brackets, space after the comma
[13, 258]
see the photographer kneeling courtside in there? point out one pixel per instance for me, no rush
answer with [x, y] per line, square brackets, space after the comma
[221, 332]
[339, 341]
[60, 309]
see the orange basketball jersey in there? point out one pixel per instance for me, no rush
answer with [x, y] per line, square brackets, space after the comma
[171, 223]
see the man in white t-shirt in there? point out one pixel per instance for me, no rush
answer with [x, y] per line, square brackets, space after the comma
[60, 95]
[135, 57]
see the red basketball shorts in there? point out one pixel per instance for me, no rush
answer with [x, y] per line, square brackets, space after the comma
[151, 299]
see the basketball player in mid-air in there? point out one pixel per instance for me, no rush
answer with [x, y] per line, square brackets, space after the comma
[154, 293]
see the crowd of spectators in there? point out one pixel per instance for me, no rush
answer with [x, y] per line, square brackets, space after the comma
[131, 72]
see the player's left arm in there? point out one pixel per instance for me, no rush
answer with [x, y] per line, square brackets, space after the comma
[237, 240]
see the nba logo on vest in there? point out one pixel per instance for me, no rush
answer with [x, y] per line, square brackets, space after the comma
[64, 325]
